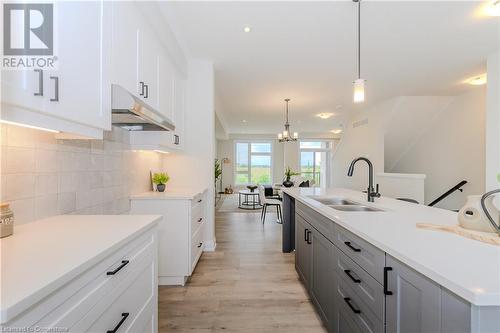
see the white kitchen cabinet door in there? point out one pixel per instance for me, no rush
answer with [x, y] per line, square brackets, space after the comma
[149, 51]
[79, 89]
[125, 49]
[179, 111]
[165, 86]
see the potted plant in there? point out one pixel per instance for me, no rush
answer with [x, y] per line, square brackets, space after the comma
[288, 174]
[160, 179]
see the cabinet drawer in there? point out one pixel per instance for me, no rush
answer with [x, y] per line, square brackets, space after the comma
[365, 286]
[132, 304]
[198, 199]
[319, 222]
[67, 305]
[370, 258]
[351, 304]
[196, 247]
[197, 218]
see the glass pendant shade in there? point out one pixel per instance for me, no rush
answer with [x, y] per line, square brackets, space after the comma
[359, 91]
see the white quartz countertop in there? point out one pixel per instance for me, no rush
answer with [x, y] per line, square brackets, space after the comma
[169, 194]
[42, 256]
[469, 268]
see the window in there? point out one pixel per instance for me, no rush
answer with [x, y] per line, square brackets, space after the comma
[315, 161]
[253, 163]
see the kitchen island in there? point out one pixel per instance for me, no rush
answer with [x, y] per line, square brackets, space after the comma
[391, 276]
[81, 273]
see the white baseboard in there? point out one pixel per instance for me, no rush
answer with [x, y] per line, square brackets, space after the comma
[210, 246]
[172, 280]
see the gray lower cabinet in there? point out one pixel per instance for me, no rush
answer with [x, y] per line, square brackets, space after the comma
[413, 302]
[323, 276]
[356, 287]
[303, 250]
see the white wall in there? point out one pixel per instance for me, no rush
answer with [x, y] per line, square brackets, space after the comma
[366, 140]
[451, 149]
[194, 167]
[493, 124]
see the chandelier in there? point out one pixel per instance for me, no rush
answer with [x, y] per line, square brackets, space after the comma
[286, 136]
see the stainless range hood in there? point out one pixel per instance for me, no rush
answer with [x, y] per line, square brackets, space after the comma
[132, 113]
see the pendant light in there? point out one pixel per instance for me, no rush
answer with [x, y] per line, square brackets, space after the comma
[286, 136]
[359, 83]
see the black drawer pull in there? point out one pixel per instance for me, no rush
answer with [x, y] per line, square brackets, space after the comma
[386, 290]
[200, 201]
[117, 327]
[305, 235]
[352, 247]
[348, 272]
[124, 263]
[309, 237]
[200, 219]
[200, 244]
[348, 301]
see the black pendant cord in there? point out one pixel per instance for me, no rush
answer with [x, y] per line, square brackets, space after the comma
[359, 38]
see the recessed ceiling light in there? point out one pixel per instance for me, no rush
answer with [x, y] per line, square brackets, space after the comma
[493, 8]
[243, 121]
[325, 115]
[247, 29]
[477, 80]
[336, 131]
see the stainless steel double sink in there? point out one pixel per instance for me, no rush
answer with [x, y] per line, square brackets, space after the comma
[345, 205]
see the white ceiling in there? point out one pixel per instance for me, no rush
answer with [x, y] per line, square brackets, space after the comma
[306, 51]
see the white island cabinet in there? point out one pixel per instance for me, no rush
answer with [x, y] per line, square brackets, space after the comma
[180, 232]
[73, 96]
[77, 273]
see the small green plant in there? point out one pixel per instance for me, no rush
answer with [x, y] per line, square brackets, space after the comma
[218, 169]
[160, 178]
[289, 173]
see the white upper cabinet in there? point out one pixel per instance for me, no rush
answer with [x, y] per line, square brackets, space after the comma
[142, 65]
[74, 96]
[125, 46]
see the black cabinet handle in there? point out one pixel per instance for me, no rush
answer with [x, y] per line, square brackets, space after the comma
[200, 219]
[305, 235]
[146, 94]
[200, 244]
[124, 263]
[56, 89]
[348, 301]
[142, 88]
[348, 273]
[200, 201]
[40, 82]
[352, 247]
[386, 290]
[117, 327]
[309, 237]
[176, 139]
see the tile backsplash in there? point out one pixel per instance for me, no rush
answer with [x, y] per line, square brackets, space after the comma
[42, 176]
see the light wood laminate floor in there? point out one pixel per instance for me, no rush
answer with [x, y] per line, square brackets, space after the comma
[246, 285]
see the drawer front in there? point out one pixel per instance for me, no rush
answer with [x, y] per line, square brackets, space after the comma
[198, 217]
[68, 304]
[363, 284]
[319, 222]
[196, 248]
[370, 258]
[131, 306]
[351, 305]
[198, 199]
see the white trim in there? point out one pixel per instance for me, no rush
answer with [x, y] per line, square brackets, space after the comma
[172, 280]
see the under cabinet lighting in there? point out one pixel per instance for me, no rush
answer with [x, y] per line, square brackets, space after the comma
[28, 126]
[478, 80]
[162, 151]
[336, 131]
